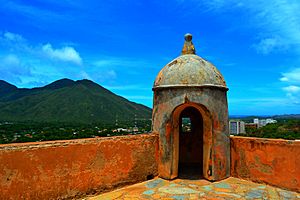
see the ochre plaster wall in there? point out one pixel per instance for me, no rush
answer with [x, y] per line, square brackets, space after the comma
[272, 161]
[65, 169]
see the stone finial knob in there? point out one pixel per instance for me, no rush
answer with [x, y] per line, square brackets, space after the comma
[188, 47]
[188, 37]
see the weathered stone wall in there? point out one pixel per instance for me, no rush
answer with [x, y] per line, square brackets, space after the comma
[272, 161]
[65, 169]
[216, 148]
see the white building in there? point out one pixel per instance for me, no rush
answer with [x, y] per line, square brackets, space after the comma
[271, 121]
[236, 127]
[263, 122]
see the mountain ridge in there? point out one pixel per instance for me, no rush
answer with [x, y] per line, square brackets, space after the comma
[66, 100]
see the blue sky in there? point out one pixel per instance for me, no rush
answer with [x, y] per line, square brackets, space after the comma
[123, 44]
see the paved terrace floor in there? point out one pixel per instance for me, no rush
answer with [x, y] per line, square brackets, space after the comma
[182, 189]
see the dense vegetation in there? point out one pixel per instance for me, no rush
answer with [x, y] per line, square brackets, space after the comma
[284, 128]
[31, 132]
[67, 101]
[67, 109]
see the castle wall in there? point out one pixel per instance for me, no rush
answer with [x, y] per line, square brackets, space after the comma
[272, 161]
[61, 169]
[65, 169]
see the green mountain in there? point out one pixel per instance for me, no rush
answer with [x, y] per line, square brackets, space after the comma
[66, 100]
[6, 88]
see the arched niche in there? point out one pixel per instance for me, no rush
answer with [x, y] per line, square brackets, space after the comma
[173, 129]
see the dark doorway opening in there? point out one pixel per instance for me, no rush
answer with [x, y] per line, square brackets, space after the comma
[190, 144]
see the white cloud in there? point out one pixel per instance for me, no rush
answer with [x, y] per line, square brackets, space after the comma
[111, 74]
[14, 42]
[13, 37]
[292, 89]
[11, 60]
[27, 62]
[221, 5]
[85, 75]
[13, 65]
[292, 76]
[18, 43]
[12, 69]
[268, 45]
[293, 95]
[283, 79]
[104, 76]
[276, 22]
[65, 54]
[120, 62]
[34, 13]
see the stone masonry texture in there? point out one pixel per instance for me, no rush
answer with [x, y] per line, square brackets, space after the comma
[74, 168]
[66, 169]
[271, 161]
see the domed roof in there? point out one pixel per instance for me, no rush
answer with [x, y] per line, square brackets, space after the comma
[189, 70]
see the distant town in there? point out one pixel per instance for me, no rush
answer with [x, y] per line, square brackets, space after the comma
[284, 128]
[237, 127]
[16, 132]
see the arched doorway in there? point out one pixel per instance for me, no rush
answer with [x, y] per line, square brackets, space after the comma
[199, 155]
[190, 163]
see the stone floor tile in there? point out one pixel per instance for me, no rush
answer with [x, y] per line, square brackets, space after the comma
[184, 189]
